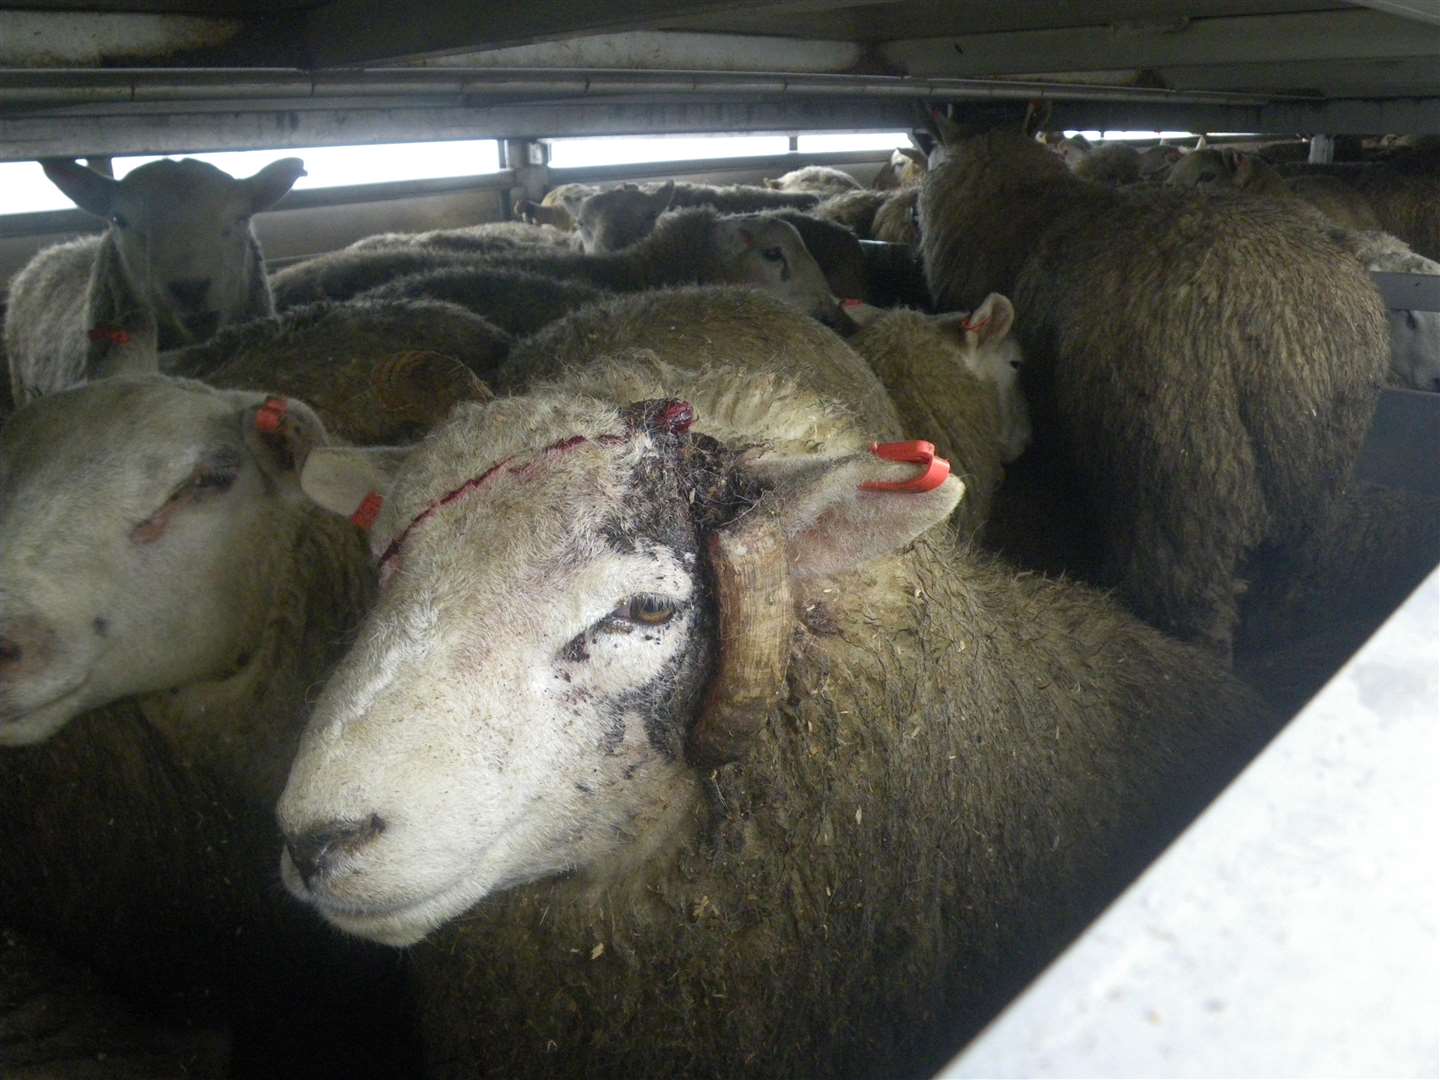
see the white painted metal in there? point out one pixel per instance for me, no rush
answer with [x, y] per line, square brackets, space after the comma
[1291, 931]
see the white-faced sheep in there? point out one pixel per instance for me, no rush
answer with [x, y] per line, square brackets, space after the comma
[153, 549]
[735, 763]
[822, 180]
[617, 218]
[1202, 371]
[557, 208]
[519, 303]
[955, 380]
[179, 252]
[1218, 170]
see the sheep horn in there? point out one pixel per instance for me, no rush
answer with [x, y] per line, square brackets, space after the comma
[422, 386]
[751, 579]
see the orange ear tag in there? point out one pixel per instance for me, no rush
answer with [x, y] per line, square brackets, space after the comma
[917, 452]
[271, 414]
[368, 510]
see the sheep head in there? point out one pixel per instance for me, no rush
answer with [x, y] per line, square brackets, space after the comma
[135, 514]
[581, 605]
[615, 219]
[181, 237]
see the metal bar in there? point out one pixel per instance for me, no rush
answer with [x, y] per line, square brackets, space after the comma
[20, 88]
[1403, 447]
[604, 174]
[1409, 292]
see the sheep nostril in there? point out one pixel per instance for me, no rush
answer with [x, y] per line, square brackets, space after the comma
[315, 851]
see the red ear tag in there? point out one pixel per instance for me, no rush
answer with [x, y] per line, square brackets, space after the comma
[852, 303]
[109, 335]
[271, 414]
[368, 511]
[918, 452]
[974, 326]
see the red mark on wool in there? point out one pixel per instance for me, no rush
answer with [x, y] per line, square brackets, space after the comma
[109, 335]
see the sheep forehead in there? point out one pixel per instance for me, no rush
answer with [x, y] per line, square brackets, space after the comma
[97, 449]
[179, 194]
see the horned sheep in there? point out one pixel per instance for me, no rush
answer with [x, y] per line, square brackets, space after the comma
[1191, 452]
[735, 762]
[179, 251]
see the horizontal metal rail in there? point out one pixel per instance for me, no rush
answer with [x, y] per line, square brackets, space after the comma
[1409, 292]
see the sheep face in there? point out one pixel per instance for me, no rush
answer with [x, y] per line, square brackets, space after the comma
[181, 231]
[1204, 170]
[516, 707]
[132, 512]
[1415, 349]
[525, 691]
[615, 219]
[769, 254]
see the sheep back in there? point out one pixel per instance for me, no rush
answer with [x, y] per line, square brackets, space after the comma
[518, 302]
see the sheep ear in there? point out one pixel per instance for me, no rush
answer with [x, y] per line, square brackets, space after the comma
[833, 524]
[342, 478]
[281, 434]
[86, 188]
[917, 156]
[664, 195]
[267, 186]
[991, 321]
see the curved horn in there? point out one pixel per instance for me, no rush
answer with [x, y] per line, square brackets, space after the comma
[421, 387]
[752, 591]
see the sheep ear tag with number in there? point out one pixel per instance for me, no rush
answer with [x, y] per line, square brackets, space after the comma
[918, 452]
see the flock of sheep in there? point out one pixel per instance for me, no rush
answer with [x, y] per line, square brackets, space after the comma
[711, 641]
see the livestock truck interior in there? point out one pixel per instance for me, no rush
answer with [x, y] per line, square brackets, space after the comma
[830, 539]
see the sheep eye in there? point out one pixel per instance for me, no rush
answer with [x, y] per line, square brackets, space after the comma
[772, 254]
[649, 609]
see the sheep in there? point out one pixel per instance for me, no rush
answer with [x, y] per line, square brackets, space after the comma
[557, 208]
[1201, 372]
[819, 179]
[1112, 165]
[345, 274]
[854, 209]
[906, 168]
[519, 303]
[1414, 335]
[179, 250]
[168, 602]
[730, 765]
[698, 246]
[1404, 193]
[485, 238]
[376, 371]
[701, 326]
[955, 382]
[1215, 170]
[615, 219]
[897, 222]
